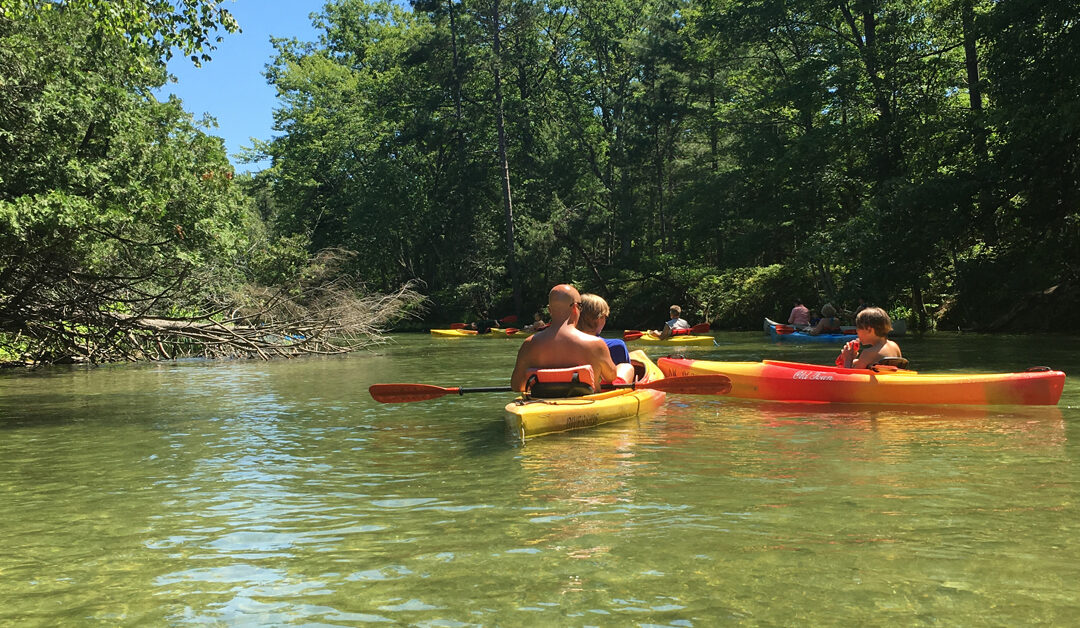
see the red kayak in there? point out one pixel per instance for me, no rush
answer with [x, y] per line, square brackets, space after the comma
[794, 381]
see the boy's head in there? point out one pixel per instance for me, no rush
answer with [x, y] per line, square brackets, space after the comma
[675, 311]
[593, 306]
[874, 318]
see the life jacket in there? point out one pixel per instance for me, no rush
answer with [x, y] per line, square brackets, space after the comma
[681, 332]
[573, 381]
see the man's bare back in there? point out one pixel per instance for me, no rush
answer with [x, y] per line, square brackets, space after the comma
[562, 344]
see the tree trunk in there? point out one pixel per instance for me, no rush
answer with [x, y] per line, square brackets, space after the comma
[919, 307]
[714, 136]
[457, 79]
[500, 121]
[865, 40]
[971, 63]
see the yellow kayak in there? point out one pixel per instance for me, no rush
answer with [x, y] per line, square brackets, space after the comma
[534, 417]
[687, 340]
[471, 333]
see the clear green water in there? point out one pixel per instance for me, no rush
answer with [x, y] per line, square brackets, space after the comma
[279, 493]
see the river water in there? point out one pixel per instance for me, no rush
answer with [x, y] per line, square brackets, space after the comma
[253, 493]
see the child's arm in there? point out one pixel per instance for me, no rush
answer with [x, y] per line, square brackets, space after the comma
[847, 356]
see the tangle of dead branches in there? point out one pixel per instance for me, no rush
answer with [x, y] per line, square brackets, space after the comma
[322, 313]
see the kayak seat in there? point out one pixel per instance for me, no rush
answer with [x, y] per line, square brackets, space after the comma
[573, 381]
[891, 363]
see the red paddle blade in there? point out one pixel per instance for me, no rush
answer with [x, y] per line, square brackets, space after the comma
[457, 325]
[784, 329]
[700, 328]
[507, 320]
[632, 335]
[510, 331]
[692, 385]
[404, 393]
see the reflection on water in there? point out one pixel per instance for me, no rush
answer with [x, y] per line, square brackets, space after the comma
[273, 494]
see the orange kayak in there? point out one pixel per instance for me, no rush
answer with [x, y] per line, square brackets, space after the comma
[794, 381]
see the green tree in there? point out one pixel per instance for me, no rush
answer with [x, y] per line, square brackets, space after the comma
[152, 28]
[122, 234]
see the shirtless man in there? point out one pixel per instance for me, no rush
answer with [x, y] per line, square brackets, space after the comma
[561, 344]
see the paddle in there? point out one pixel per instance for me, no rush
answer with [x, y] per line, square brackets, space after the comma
[684, 385]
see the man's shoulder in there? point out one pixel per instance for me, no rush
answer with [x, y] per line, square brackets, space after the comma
[591, 341]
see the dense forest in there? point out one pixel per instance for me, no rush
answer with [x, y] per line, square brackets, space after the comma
[727, 155]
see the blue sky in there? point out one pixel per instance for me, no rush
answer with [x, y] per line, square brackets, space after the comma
[232, 88]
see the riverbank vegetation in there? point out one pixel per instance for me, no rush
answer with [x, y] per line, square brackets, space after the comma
[123, 233]
[726, 155]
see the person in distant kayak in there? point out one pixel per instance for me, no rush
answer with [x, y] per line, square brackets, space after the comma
[537, 324]
[800, 315]
[676, 322]
[828, 324]
[562, 344]
[873, 345]
[594, 314]
[484, 325]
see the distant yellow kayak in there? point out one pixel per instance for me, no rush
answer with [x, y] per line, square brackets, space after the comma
[471, 333]
[687, 340]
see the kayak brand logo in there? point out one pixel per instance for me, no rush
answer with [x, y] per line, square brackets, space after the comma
[814, 375]
[580, 420]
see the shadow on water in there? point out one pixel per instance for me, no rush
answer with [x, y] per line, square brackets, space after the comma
[489, 438]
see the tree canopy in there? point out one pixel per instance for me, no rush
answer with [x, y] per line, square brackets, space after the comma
[910, 152]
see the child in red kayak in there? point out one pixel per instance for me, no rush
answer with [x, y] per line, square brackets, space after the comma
[873, 345]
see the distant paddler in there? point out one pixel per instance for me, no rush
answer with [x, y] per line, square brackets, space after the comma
[676, 323]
